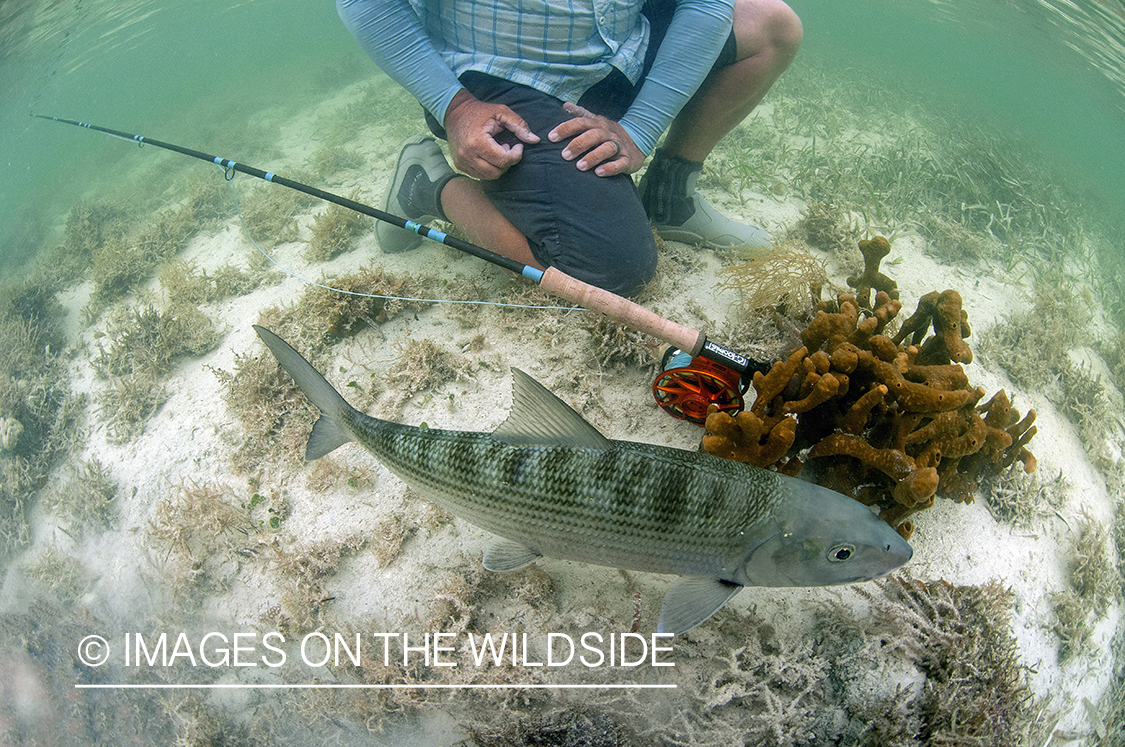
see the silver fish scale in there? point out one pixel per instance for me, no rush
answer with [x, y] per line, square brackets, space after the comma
[634, 506]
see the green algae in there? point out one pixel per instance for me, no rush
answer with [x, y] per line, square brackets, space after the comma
[336, 231]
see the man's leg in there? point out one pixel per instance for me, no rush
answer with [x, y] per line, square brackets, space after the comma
[767, 35]
[542, 211]
[467, 207]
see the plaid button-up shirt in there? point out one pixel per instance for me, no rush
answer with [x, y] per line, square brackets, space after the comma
[560, 47]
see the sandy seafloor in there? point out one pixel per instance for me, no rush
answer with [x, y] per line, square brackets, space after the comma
[190, 439]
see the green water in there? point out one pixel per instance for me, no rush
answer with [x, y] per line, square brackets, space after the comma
[181, 72]
[1016, 66]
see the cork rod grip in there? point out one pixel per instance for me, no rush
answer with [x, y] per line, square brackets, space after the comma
[622, 310]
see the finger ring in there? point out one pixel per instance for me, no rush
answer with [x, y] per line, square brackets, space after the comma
[616, 148]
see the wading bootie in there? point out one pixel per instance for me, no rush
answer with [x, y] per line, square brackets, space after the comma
[679, 213]
[414, 192]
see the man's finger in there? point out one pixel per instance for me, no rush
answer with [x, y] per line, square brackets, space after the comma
[603, 153]
[494, 162]
[570, 128]
[576, 110]
[585, 142]
[515, 124]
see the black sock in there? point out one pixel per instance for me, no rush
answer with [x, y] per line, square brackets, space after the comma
[665, 197]
[422, 197]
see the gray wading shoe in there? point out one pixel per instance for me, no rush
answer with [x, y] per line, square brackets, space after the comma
[414, 192]
[679, 213]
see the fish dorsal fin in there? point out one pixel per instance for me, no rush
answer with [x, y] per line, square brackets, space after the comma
[539, 418]
[508, 555]
[691, 600]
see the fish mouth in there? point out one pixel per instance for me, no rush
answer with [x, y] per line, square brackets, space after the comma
[898, 557]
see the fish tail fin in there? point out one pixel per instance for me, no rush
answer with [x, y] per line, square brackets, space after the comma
[330, 430]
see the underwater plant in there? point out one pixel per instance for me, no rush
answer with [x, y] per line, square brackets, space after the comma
[304, 570]
[275, 417]
[270, 214]
[1094, 584]
[201, 527]
[954, 244]
[832, 139]
[335, 231]
[36, 645]
[389, 110]
[1113, 351]
[148, 341]
[423, 366]
[90, 226]
[61, 576]
[1031, 346]
[616, 346]
[825, 227]
[38, 411]
[145, 344]
[1093, 576]
[1082, 397]
[570, 727]
[123, 262]
[322, 314]
[1016, 497]
[780, 276]
[186, 285]
[86, 499]
[975, 689]
[31, 326]
[324, 162]
[327, 473]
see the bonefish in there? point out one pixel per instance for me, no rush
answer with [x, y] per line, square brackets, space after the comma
[549, 484]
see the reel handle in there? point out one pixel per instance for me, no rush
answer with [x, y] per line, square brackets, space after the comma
[632, 315]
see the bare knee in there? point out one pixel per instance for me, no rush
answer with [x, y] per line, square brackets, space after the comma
[767, 26]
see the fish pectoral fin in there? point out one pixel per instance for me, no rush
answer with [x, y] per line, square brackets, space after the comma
[691, 600]
[539, 418]
[506, 555]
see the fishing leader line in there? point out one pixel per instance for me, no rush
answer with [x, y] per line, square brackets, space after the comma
[229, 174]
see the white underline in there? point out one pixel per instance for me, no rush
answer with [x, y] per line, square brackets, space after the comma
[315, 686]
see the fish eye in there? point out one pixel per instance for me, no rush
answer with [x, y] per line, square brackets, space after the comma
[840, 553]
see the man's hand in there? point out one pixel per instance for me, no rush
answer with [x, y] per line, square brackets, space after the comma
[603, 144]
[472, 126]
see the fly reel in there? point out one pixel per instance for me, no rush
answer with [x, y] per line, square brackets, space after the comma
[688, 386]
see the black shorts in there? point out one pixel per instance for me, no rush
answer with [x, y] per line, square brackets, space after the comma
[592, 228]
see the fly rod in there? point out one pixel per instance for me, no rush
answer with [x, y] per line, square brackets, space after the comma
[691, 342]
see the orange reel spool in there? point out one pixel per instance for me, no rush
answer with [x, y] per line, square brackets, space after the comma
[686, 392]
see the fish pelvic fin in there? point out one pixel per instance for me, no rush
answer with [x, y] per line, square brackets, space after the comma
[691, 601]
[508, 555]
[330, 431]
[539, 418]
